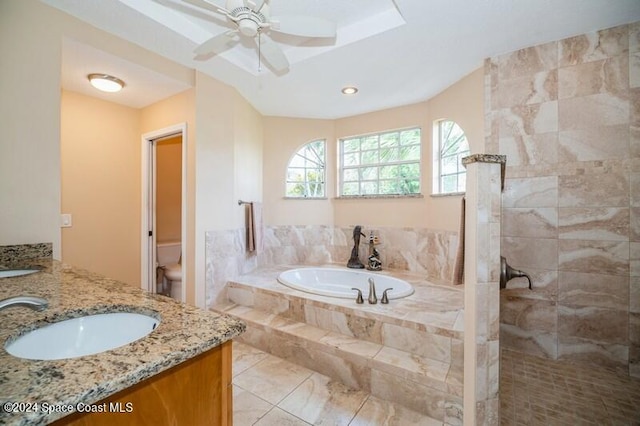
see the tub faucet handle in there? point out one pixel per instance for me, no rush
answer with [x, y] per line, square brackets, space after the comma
[373, 299]
[385, 298]
[359, 299]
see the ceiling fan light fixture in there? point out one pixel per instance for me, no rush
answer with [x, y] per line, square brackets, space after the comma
[349, 90]
[106, 82]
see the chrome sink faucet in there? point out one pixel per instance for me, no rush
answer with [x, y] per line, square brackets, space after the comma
[32, 302]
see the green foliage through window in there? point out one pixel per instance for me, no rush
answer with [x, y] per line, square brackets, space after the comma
[306, 171]
[381, 164]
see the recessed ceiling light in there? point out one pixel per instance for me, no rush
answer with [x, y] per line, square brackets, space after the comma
[350, 90]
[105, 82]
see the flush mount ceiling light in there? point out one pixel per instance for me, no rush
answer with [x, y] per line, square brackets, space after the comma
[105, 82]
[350, 90]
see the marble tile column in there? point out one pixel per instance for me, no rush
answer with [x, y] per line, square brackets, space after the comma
[482, 289]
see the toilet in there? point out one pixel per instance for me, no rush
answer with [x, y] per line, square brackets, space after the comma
[168, 254]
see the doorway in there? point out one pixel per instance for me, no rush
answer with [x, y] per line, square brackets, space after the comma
[164, 211]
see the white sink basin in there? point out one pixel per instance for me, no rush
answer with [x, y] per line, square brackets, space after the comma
[82, 336]
[17, 272]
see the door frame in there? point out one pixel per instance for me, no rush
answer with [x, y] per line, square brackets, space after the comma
[148, 210]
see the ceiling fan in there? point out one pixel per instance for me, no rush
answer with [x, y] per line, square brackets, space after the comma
[251, 19]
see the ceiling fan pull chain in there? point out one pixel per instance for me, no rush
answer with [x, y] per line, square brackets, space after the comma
[259, 50]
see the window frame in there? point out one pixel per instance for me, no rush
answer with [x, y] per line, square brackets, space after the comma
[306, 182]
[438, 160]
[358, 168]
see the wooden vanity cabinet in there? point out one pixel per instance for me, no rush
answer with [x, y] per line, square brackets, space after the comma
[195, 392]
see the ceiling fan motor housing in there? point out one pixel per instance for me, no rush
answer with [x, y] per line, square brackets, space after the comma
[249, 21]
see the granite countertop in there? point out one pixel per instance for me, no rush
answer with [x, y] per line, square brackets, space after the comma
[184, 332]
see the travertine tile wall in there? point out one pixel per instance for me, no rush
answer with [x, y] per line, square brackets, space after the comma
[420, 250]
[567, 115]
[226, 258]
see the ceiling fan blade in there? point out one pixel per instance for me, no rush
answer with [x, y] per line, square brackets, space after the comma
[218, 44]
[303, 26]
[204, 4]
[272, 54]
[254, 4]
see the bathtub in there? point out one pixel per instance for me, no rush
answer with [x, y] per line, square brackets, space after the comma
[335, 282]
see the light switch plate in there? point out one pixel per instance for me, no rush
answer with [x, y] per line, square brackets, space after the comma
[65, 220]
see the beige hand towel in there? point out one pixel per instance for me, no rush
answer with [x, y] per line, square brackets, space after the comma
[458, 267]
[254, 228]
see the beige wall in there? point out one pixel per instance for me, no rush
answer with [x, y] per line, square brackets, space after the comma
[100, 156]
[30, 44]
[229, 141]
[248, 153]
[174, 110]
[30, 123]
[169, 190]
[462, 102]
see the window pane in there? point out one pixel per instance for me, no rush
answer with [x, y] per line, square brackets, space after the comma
[450, 165]
[410, 186]
[389, 187]
[295, 175]
[315, 175]
[450, 183]
[388, 155]
[350, 175]
[368, 188]
[295, 190]
[370, 142]
[369, 173]
[351, 145]
[369, 157]
[297, 161]
[410, 170]
[350, 188]
[389, 140]
[410, 137]
[389, 172]
[351, 159]
[410, 152]
[316, 189]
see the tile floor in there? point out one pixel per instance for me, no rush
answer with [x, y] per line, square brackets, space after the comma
[536, 391]
[271, 391]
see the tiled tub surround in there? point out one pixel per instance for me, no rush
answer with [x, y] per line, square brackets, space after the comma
[567, 115]
[183, 333]
[420, 250]
[409, 351]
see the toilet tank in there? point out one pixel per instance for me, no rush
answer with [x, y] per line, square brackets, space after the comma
[168, 252]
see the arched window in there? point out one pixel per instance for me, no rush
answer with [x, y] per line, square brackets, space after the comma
[450, 145]
[306, 171]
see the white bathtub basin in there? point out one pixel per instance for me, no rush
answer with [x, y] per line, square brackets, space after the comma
[82, 336]
[335, 282]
